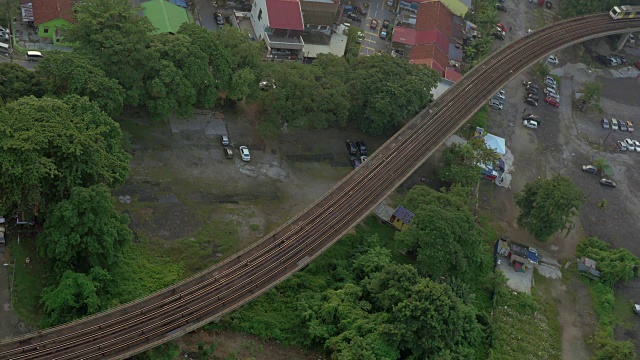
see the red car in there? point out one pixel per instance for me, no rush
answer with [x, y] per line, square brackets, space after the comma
[502, 27]
[553, 102]
[374, 24]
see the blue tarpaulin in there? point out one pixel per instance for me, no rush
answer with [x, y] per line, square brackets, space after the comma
[180, 3]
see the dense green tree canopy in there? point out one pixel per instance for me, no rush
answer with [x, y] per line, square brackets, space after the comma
[75, 296]
[462, 162]
[49, 146]
[386, 90]
[67, 73]
[84, 231]
[17, 82]
[304, 97]
[548, 206]
[118, 37]
[443, 237]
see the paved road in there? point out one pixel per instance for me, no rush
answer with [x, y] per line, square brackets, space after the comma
[372, 43]
[204, 14]
[29, 65]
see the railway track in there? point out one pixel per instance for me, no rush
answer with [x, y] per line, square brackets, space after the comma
[134, 327]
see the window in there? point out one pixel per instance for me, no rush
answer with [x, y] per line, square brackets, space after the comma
[260, 15]
[46, 30]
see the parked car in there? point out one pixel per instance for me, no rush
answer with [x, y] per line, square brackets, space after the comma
[550, 90]
[550, 84]
[531, 102]
[591, 169]
[532, 90]
[636, 143]
[532, 97]
[244, 153]
[361, 147]
[501, 27]
[228, 153]
[607, 182]
[499, 96]
[550, 79]
[224, 139]
[385, 24]
[530, 84]
[383, 34]
[219, 19]
[629, 126]
[622, 146]
[623, 126]
[354, 17]
[501, 7]
[351, 147]
[638, 65]
[498, 35]
[498, 99]
[362, 9]
[501, 92]
[551, 101]
[355, 162]
[605, 124]
[614, 124]
[531, 124]
[530, 117]
[363, 158]
[374, 24]
[555, 96]
[389, 2]
[360, 38]
[495, 104]
[552, 60]
[397, 53]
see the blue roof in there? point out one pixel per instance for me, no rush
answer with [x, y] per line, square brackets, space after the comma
[404, 214]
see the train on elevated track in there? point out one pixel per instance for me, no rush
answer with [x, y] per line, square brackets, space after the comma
[624, 12]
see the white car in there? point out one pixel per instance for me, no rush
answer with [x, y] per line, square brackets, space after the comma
[550, 91]
[550, 78]
[500, 96]
[501, 92]
[495, 104]
[553, 95]
[622, 146]
[244, 153]
[530, 124]
[552, 59]
[630, 144]
[636, 143]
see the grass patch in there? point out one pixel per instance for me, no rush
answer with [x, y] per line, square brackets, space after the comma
[29, 280]
[525, 324]
[479, 119]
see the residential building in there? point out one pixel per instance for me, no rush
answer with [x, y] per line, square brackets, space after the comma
[279, 23]
[400, 218]
[521, 256]
[51, 17]
[164, 16]
[587, 265]
[427, 37]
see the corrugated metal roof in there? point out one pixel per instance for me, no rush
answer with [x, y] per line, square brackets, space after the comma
[404, 214]
[164, 15]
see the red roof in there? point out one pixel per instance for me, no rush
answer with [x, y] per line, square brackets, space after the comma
[412, 37]
[434, 15]
[285, 14]
[452, 74]
[47, 10]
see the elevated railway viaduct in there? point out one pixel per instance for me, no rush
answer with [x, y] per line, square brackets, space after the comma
[172, 312]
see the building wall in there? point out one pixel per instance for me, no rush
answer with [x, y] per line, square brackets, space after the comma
[49, 29]
[316, 13]
[259, 18]
[430, 51]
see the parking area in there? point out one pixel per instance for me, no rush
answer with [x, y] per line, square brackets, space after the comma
[379, 17]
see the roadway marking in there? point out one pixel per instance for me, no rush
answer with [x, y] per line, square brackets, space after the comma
[368, 48]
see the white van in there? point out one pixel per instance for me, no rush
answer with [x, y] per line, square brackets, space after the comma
[34, 56]
[5, 49]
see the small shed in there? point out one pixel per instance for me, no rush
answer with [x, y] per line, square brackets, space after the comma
[588, 266]
[401, 218]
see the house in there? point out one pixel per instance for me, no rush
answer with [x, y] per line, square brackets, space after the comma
[51, 17]
[400, 218]
[279, 23]
[586, 265]
[521, 256]
[428, 38]
[164, 16]
[458, 7]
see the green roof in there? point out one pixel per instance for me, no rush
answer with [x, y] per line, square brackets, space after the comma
[164, 15]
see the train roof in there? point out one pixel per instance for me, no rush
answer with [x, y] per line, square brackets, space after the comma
[628, 8]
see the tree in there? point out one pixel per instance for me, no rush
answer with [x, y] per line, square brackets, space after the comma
[433, 323]
[462, 163]
[84, 231]
[75, 296]
[386, 90]
[181, 77]
[600, 163]
[66, 73]
[118, 37]
[304, 97]
[49, 146]
[17, 82]
[548, 206]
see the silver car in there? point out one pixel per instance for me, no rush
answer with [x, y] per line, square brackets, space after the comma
[495, 104]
